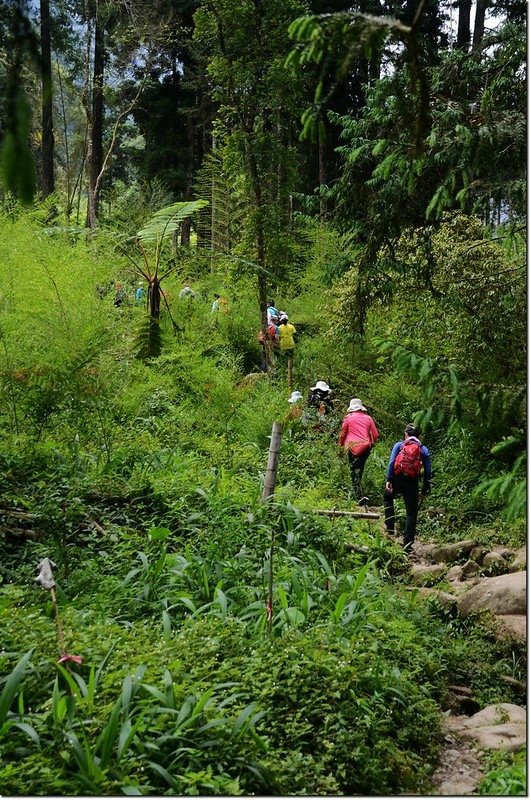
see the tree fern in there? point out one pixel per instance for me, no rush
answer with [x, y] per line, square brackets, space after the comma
[218, 226]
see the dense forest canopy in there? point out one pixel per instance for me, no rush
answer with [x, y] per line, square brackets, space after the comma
[168, 170]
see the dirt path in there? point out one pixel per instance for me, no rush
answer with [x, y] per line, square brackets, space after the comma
[459, 770]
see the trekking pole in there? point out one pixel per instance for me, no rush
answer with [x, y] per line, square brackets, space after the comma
[47, 581]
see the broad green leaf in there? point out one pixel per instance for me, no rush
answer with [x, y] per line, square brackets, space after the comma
[12, 685]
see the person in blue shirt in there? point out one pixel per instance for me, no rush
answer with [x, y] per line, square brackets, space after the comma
[403, 479]
[272, 311]
[139, 294]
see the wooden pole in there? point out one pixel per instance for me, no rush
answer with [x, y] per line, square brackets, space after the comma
[290, 370]
[60, 632]
[272, 461]
[355, 514]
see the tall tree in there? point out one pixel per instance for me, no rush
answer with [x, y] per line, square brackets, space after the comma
[94, 107]
[258, 101]
[463, 24]
[47, 146]
[479, 23]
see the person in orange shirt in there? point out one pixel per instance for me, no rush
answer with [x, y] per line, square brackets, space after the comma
[358, 435]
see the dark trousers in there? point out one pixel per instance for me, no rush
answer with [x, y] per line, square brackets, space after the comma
[357, 465]
[408, 488]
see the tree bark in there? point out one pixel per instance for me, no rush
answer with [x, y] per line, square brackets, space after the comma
[463, 25]
[186, 227]
[479, 23]
[95, 152]
[260, 247]
[47, 147]
[322, 173]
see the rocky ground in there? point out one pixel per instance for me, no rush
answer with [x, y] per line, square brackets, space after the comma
[469, 568]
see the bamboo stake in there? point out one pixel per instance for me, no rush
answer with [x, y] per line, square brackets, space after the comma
[272, 461]
[290, 371]
[47, 581]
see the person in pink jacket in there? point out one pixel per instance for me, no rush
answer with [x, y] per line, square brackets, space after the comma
[358, 435]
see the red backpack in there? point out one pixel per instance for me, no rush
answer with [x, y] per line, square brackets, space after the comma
[408, 461]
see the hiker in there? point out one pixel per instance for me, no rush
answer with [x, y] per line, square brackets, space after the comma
[408, 459]
[294, 401]
[286, 333]
[139, 294]
[358, 435]
[186, 291]
[215, 304]
[120, 295]
[271, 311]
[319, 398]
[272, 329]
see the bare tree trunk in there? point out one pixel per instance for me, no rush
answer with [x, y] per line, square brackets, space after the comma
[186, 227]
[154, 292]
[322, 173]
[260, 248]
[479, 23]
[69, 198]
[95, 150]
[463, 25]
[47, 148]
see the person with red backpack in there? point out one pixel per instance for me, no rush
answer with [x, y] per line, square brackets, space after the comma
[409, 459]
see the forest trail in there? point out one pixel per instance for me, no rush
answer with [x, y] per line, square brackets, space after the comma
[459, 770]
[460, 765]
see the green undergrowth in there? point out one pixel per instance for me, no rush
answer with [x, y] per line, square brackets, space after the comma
[229, 646]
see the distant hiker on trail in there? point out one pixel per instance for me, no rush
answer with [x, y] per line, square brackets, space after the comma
[408, 459]
[139, 294]
[358, 435]
[294, 401]
[286, 332]
[272, 329]
[272, 311]
[120, 295]
[319, 398]
[186, 291]
[215, 305]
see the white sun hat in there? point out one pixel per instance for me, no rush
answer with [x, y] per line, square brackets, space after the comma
[356, 405]
[322, 385]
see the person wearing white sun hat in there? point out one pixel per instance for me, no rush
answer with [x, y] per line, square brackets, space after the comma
[320, 399]
[358, 436]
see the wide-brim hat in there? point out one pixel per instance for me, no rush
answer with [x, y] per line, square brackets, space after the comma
[322, 385]
[356, 405]
[295, 396]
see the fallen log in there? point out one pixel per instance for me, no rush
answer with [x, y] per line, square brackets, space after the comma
[15, 512]
[357, 548]
[21, 533]
[355, 514]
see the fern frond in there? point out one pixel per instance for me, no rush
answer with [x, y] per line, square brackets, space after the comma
[166, 221]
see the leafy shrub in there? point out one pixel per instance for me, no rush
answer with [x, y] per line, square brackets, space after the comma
[507, 780]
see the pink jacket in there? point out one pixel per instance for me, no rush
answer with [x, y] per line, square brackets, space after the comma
[358, 432]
